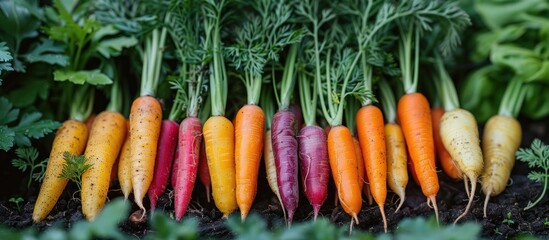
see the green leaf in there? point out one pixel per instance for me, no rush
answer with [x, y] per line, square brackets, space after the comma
[105, 226]
[420, 228]
[166, 228]
[485, 40]
[7, 114]
[26, 94]
[7, 137]
[31, 126]
[537, 176]
[498, 13]
[93, 77]
[113, 47]
[47, 52]
[527, 64]
[5, 54]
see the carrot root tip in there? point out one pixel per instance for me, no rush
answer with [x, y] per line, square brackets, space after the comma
[486, 201]
[434, 201]
[473, 188]
[400, 204]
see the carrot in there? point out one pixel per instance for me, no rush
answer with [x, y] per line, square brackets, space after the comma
[250, 122]
[363, 182]
[164, 158]
[175, 167]
[145, 122]
[107, 135]
[448, 164]
[397, 174]
[89, 120]
[284, 141]
[219, 138]
[344, 167]
[459, 133]
[314, 165]
[501, 139]
[124, 168]
[313, 151]
[415, 119]
[270, 167]
[360, 165]
[190, 140]
[203, 171]
[70, 137]
[146, 116]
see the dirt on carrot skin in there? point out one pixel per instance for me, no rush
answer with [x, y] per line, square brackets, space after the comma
[451, 198]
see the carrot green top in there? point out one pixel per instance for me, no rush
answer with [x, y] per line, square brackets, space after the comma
[512, 98]
[152, 60]
[212, 13]
[387, 101]
[445, 86]
[264, 33]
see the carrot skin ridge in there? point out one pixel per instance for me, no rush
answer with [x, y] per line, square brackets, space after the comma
[71, 137]
[189, 141]
[106, 138]
[219, 138]
[341, 153]
[314, 165]
[249, 127]
[449, 166]
[203, 171]
[414, 115]
[145, 122]
[284, 141]
[167, 142]
[371, 136]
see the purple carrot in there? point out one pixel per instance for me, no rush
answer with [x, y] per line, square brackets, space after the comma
[296, 110]
[283, 134]
[164, 158]
[314, 165]
[204, 171]
[190, 138]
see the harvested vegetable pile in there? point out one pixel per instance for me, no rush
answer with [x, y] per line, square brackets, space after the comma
[360, 112]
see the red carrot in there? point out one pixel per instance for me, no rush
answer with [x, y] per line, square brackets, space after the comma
[164, 159]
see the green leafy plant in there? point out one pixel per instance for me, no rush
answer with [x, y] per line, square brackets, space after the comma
[73, 168]
[537, 156]
[546, 223]
[17, 201]
[27, 158]
[30, 126]
[5, 57]
[507, 220]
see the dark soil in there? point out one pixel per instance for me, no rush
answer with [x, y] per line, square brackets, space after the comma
[451, 199]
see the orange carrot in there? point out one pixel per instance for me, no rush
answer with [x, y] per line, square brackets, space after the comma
[341, 152]
[448, 164]
[371, 135]
[145, 121]
[106, 138]
[219, 138]
[71, 137]
[415, 119]
[360, 164]
[250, 122]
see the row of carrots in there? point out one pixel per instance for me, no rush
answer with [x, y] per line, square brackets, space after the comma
[376, 155]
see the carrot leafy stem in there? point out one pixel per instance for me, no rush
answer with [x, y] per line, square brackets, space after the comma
[537, 156]
[74, 167]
